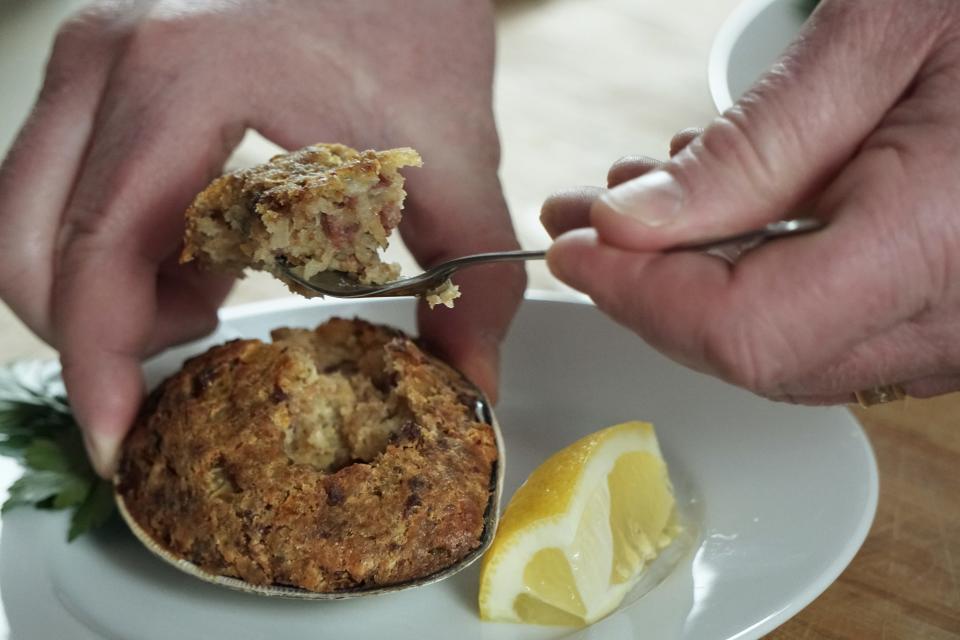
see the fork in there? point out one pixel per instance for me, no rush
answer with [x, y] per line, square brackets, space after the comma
[343, 285]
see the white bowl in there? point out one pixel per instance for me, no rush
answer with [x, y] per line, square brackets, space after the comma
[750, 40]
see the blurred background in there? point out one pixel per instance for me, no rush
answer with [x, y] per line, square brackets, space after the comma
[579, 83]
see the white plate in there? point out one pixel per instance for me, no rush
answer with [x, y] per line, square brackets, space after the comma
[780, 497]
[749, 41]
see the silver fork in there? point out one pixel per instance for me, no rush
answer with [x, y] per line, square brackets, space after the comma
[343, 285]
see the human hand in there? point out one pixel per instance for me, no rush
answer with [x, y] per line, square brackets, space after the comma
[141, 105]
[858, 124]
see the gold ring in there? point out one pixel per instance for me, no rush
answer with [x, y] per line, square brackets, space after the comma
[880, 395]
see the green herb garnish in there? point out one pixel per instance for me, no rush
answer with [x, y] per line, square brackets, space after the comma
[37, 429]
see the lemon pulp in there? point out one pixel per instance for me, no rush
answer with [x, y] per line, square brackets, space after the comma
[577, 535]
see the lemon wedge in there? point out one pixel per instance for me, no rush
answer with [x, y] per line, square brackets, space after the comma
[577, 535]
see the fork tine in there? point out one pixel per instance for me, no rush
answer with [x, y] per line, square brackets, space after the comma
[341, 285]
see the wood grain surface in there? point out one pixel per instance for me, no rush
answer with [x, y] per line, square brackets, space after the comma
[905, 581]
[580, 83]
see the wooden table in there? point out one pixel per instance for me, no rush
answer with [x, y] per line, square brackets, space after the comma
[905, 581]
[581, 82]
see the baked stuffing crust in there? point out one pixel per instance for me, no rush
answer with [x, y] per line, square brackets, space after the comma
[327, 460]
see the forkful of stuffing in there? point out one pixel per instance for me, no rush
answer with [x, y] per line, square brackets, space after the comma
[319, 217]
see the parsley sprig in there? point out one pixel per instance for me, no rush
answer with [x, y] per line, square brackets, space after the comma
[38, 430]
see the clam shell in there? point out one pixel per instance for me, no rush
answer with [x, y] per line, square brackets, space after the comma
[490, 519]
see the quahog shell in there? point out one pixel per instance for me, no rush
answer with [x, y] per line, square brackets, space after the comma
[490, 519]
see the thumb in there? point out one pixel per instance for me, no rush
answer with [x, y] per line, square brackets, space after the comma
[788, 134]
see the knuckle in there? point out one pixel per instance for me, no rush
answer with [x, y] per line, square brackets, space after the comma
[628, 160]
[628, 167]
[728, 141]
[161, 30]
[76, 46]
[91, 226]
[89, 26]
[89, 23]
[88, 233]
[687, 133]
[153, 54]
[682, 138]
[73, 251]
[63, 73]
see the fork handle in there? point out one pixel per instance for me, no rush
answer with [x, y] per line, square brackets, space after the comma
[772, 230]
[496, 256]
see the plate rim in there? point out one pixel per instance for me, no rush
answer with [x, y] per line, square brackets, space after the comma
[805, 594]
[727, 37]
[841, 561]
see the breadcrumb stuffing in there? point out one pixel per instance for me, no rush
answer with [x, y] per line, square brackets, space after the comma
[445, 294]
[328, 459]
[323, 207]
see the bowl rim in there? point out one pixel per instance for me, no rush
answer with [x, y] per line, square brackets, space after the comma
[730, 33]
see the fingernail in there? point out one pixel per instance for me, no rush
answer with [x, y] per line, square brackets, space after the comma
[102, 453]
[654, 199]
